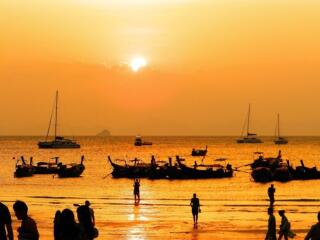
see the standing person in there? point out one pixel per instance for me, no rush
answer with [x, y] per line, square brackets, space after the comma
[69, 230]
[136, 190]
[85, 223]
[28, 229]
[6, 232]
[88, 204]
[314, 232]
[271, 233]
[195, 207]
[271, 191]
[285, 227]
[57, 225]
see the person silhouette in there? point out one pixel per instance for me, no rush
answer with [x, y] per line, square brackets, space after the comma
[5, 223]
[28, 229]
[195, 207]
[88, 204]
[57, 225]
[68, 226]
[285, 227]
[314, 232]
[271, 191]
[136, 190]
[271, 233]
[85, 223]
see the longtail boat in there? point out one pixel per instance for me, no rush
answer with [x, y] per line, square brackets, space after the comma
[137, 169]
[199, 152]
[23, 169]
[48, 167]
[71, 169]
[204, 171]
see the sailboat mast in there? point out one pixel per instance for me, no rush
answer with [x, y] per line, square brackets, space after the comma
[278, 125]
[56, 120]
[248, 124]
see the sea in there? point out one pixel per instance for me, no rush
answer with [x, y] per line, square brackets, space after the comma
[232, 208]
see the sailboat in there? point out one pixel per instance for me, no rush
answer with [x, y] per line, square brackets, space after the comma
[279, 139]
[250, 137]
[58, 141]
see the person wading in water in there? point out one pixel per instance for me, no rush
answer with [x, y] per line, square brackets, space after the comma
[271, 233]
[195, 207]
[271, 191]
[136, 190]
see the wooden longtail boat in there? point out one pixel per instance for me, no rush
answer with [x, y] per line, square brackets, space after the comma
[71, 170]
[204, 171]
[23, 169]
[137, 170]
[48, 167]
[199, 152]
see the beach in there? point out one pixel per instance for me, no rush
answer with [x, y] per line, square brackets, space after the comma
[232, 208]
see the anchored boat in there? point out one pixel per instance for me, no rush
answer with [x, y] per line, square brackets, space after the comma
[58, 141]
[138, 142]
[279, 140]
[199, 152]
[71, 169]
[166, 170]
[48, 167]
[249, 137]
[23, 169]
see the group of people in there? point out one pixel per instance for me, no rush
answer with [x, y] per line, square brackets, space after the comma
[65, 225]
[28, 229]
[285, 226]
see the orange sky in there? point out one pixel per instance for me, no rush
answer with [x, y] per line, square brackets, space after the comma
[206, 61]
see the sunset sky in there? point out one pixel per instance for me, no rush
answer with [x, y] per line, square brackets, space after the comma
[206, 61]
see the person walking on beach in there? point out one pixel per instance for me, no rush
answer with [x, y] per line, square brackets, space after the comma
[136, 190]
[195, 207]
[285, 227]
[314, 232]
[87, 203]
[6, 232]
[271, 233]
[271, 191]
[28, 229]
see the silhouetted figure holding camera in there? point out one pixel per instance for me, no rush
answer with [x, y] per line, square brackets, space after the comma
[136, 190]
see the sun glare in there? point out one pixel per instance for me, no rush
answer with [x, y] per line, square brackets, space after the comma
[137, 63]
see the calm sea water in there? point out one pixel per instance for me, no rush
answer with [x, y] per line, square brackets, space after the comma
[232, 208]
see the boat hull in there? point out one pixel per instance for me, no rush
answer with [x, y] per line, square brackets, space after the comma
[280, 142]
[56, 145]
[24, 172]
[74, 171]
[249, 140]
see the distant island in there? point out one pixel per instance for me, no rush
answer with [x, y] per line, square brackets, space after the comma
[104, 133]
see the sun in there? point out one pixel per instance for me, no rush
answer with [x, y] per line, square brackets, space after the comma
[137, 63]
